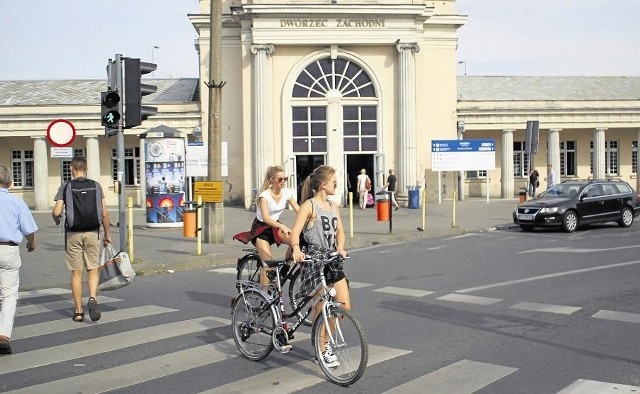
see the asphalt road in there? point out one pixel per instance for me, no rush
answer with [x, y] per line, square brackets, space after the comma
[487, 312]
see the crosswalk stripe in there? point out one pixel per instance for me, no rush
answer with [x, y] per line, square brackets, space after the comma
[23, 295]
[582, 386]
[469, 299]
[403, 291]
[227, 270]
[155, 367]
[618, 316]
[462, 377]
[548, 308]
[358, 285]
[297, 376]
[32, 309]
[61, 325]
[90, 347]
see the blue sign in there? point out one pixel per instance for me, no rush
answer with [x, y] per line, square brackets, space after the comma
[462, 155]
[463, 146]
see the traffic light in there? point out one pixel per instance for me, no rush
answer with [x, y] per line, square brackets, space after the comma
[110, 110]
[134, 89]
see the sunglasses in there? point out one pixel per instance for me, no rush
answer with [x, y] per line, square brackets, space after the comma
[281, 179]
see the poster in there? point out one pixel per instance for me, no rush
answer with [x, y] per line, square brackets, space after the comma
[165, 181]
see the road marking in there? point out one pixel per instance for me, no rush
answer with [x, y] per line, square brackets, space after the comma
[548, 308]
[358, 285]
[93, 346]
[469, 299]
[582, 386]
[403, 291]
[32, 309]
[228, 270]
[577, 250]
[462, 236]
[548, 276]
[23, 295]
[618, 316]
[465, 376]
[49, 327]
[297, 376]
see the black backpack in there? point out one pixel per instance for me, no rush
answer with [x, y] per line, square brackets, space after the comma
[83, 205]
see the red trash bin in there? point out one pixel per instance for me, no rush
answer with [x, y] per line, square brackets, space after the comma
[382, 209]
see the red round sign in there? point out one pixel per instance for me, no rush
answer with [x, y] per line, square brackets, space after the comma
[61, 132]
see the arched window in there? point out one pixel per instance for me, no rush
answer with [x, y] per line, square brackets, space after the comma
[341, 75]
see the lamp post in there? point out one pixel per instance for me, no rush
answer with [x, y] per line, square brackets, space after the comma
[464, 62]
[153, 60]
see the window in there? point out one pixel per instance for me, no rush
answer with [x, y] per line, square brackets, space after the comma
[476, 174]
[131, 166]
[22, 168]
[360, 128]
[520, 160]
[634, 157]
[610, 158]
[568, 158]
[327, 74]
[309, 129]
[65, 170]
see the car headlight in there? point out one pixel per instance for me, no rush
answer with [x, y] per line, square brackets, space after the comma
[549, 210]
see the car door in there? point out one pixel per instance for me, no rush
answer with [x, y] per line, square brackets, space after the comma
[591, 206]
[612, 201]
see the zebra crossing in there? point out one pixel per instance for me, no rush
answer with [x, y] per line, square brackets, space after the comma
[122, 363]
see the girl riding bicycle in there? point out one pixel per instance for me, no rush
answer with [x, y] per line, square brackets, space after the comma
[267, 229]
[318, 227]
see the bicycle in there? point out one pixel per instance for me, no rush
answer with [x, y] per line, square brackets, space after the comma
[250, 267]
[259, 325]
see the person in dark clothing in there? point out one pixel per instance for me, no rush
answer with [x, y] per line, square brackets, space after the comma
[391, 187]
[533, 182]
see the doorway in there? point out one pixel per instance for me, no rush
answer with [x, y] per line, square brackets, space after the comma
[354, 163]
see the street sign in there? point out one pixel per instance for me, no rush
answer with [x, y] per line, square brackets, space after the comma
[197, 160]
[61, 132]
[210, 191]
[61, 152]
[463, 155]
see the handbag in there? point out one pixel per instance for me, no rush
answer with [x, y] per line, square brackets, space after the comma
[115, 269]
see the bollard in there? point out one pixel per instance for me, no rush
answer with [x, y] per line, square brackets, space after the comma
[350, 215]
[130, 232]
[198, 225]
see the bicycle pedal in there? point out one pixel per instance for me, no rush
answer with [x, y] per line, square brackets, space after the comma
[285, 348]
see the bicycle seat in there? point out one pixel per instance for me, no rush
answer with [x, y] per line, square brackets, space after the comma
[274, 263]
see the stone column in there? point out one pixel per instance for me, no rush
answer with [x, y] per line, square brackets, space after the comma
[599, 154]
[93, 157]
[407, 162]
[262, 112]
[553, 155]
[506, 176]
[42, 199]
[637, 165]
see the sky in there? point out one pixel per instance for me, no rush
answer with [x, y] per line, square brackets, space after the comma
[73, 39]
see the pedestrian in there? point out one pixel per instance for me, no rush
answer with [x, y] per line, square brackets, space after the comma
[16, 222]
[391, 187]
[266, 228]
[318, 231]
[84, 203]
[534, 181]
[551, 176]
[363, 186]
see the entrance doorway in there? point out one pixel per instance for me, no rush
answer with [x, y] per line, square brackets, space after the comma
[354, 163]
[305, 164]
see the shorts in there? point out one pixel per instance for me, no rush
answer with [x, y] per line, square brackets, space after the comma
[82, 250]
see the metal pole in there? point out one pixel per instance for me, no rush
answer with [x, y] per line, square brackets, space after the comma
[130, 226]
[214, 212]
[120, 159]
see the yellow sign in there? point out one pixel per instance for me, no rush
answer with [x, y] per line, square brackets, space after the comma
[210, 191]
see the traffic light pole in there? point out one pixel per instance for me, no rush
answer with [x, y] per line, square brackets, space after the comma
[213, 226]
[120, 158]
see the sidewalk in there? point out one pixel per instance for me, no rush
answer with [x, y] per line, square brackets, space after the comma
[158, 250]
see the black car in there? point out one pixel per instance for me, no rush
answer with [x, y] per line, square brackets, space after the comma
[573, 203]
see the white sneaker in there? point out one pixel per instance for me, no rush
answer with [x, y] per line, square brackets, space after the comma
[328, 358]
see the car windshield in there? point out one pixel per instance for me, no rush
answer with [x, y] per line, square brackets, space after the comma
[561, 190]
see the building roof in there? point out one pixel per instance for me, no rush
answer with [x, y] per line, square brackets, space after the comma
[87, 92]
[503, 88]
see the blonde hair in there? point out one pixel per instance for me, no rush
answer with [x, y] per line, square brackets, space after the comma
[312, 184]
[272, 171]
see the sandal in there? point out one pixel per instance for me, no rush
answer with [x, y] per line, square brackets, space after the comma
[78, 316]
[94, 311]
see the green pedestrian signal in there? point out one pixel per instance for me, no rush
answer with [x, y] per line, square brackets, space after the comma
[110, 110]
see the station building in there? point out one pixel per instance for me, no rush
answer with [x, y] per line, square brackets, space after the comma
[351, 84]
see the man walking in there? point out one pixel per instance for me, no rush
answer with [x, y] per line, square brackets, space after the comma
[392, 181]
[534, 182]
[83, 201]
[551, 176]
[16, 222]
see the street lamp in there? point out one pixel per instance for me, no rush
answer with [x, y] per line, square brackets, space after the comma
[465, 65]
[153, 60]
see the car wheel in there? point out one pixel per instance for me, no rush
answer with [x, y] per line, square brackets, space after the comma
[570, 221]
[526, 228]
[626, 217]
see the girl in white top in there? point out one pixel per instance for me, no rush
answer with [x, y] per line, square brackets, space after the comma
[363, 192]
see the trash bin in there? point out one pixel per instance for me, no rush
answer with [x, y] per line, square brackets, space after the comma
[382, 209]
[522, 195]
[414, 197]
[189, 219]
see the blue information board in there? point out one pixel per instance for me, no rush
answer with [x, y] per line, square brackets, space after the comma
[463, 155]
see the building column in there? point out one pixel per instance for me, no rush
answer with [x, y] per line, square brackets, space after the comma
[407, 162]
[553, 154]
[93, 157]
[506, 176]
[637, 166]
[41, 175]
[262, 112]
[599, 153]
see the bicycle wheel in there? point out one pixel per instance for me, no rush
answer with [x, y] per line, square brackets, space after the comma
[348, 342]
[295, 298]
[252, 325]
[249, 268]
